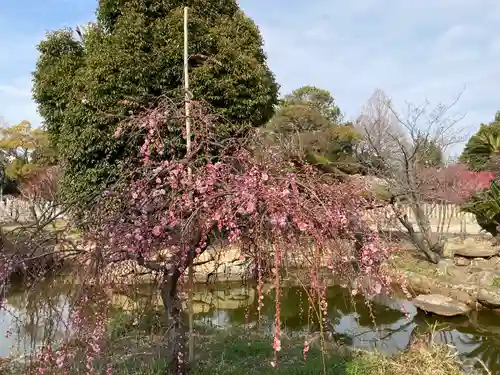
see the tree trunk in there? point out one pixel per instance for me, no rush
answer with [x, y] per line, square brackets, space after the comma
[176, 335]
[434, 242]
[423, 241]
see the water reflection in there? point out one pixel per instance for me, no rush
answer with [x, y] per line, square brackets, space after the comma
[34, 315]
[385, 324]
[476, 337]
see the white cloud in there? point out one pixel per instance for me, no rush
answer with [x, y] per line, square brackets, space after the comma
[413, 50]
[16, 103]
[14, 91]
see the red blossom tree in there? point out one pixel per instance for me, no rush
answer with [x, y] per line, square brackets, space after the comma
[453, 183]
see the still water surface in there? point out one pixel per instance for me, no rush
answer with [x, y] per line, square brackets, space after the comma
[475, 337]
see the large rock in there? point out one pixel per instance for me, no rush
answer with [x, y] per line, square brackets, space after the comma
[419, 284]
[477, 251]
[489, 297]
[460, 274]
[462, 296]
[440, 305]
[456, 294]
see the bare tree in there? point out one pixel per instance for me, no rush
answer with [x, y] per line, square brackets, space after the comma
[40, 191]
[380, 128]
[401, 145]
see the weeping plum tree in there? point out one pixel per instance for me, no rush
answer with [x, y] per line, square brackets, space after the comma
[165, 214]
[252, 204]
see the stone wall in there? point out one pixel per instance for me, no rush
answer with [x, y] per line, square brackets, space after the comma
[445, 218]
[14, 209]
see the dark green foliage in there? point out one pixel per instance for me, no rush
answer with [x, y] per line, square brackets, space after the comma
[305, 109]
[9, 185]
[109, 11]
[429, 152]
[319, 99]
[332, 149]
[486, 207]
[121, 65]
[482, 150]
[371, 164]
[482, 153]
[308, 124]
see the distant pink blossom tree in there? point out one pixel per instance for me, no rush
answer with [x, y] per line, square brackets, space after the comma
[453, 183]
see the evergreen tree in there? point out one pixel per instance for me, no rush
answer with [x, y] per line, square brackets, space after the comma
[85, 84]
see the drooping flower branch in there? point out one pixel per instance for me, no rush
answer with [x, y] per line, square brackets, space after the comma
[268, 207]
[168, 209]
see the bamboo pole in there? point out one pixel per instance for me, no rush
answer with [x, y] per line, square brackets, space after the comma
[187, 109]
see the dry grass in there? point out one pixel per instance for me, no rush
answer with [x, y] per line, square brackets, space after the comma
[412, 260]
[420, 359]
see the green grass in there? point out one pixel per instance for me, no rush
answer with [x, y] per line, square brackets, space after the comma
[245, 353]
[220, 352]
[135, 348]
[496, 282]
[251, 354]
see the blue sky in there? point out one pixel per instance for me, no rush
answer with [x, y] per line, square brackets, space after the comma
[413, 50]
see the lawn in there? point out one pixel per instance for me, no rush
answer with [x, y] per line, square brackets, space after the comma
[137, 350]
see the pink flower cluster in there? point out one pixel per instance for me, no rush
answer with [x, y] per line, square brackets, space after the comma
[170, 206]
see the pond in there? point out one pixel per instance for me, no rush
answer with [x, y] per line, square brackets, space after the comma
[384, 324]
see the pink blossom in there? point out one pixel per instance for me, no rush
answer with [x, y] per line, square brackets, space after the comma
[277, 344]
[157, 230]
[306, 349]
